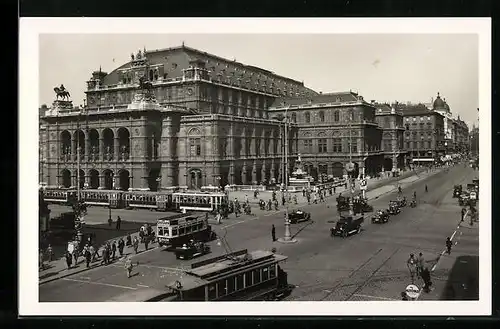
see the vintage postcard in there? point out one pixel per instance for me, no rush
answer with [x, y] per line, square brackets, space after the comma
[325, 167]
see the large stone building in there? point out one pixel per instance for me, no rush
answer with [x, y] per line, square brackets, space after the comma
[424, 134]
[183, 117]
[334, 128]
[210, 125]
[461, 141]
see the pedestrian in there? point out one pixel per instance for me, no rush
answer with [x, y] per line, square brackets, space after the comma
[283, 200]
[113, 250]
[110, 221]
[448, 245]
[92, 253]
[146, 243]
[412, 264]
[426, 188]
[121, 245]
[129, 267]
[399, 189]
[426, 276]
[42, 265]
[420, 264]
[463, 212]
[273, 233]
[69, 259]
[88, 257]
[276, 205]
[118, 223]
[415, 195]
[50, 253]
[294, 199]
[129, 240]
[75, 254]
[104, 255]
[136, 244]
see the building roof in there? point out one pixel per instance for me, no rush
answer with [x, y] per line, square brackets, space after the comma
[175, 59]
[438, 103]
[334, 97]
[413, 109]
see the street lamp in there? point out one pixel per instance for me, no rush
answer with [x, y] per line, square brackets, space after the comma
[288, 236]
[350, 167]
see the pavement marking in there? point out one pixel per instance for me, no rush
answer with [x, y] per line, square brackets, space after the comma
[100, 283]
[84, 278]
[223, 227]
[141, 285]
[375, 297]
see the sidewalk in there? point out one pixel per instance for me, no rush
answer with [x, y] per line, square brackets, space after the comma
[58, 269]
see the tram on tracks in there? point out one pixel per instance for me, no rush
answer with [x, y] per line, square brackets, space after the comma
[59, 196]
[159, 201]
[178, 230]
[199, 201]
[238, 276]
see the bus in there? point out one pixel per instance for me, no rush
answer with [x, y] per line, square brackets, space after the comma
[238, 276]
[178, 230]
[199, 201]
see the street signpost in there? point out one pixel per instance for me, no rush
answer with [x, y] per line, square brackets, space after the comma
[362, 186]
[412, 291]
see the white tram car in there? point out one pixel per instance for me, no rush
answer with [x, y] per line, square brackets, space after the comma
[176, 231]
[199, 201]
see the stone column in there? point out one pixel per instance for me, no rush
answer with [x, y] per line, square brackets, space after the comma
[101, 148]
[73, 147]
[254, 172]
[263, 171]
[102, 182]
[87, 147]
[116, 150]
[231, 173]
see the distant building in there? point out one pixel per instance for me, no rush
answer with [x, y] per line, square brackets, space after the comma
[474, 140]
[424, 135]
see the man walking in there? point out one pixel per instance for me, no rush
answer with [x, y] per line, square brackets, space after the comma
[273, 233]
[412, 265]
[118, 223]
[420, 264]
[448, 245]
[121, 245]
[135, 244]
[129, 267]
[113, 250]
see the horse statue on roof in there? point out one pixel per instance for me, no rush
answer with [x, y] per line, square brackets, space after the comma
[61, 92]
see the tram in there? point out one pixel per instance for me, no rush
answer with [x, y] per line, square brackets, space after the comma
[178, 230]
[147, 200]
[59, 196]
[107, 198]
[239, 276]
[199, 201]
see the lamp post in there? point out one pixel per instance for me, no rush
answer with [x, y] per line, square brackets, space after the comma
[288, 236]
[350, 167]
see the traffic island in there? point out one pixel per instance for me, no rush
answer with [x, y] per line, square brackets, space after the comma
[287, 240]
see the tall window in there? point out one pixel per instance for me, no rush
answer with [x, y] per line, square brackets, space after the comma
[322, 145]
[354, 147]
[321, 116]
[195, 146]
[337, 145]
[308, 117]
[407, 145]
[336, 116]
[386, 122]
[294, 117]
[308, 145]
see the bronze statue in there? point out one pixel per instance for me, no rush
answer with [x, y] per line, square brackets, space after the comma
[132, 56]
[61, 92]
[145, 84]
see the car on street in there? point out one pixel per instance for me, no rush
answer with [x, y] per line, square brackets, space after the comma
[192, 250]
[457, 191]
[347, 225]
[380, 217]
[298, 216]
[393, 208]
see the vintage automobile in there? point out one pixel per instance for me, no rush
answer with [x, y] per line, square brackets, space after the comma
[191, 250]
[298, 216]
[413, 203]
[361, 206]
[401, 201]
[381, 216]
[457, 191]
[463, 199]
[393, 208]
[342, 203]
[347, 225]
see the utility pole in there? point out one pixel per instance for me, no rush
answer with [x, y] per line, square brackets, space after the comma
[350, 174]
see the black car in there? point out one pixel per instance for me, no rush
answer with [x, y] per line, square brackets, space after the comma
[457, 191]
[347, 225]
[298, 216]
[401, 202]
[381, 216]
[192, 250]
[394, 208]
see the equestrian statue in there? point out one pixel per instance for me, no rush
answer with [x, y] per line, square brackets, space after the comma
[62, 92]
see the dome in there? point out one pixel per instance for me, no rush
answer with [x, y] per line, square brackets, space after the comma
[446, 106]
[439, 103]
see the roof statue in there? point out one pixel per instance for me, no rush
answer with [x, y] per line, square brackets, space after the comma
[61, 92]
[132, 56]
[139, 55]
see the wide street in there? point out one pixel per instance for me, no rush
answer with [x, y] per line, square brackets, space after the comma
[367, 266]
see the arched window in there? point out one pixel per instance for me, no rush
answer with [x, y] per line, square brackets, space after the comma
[294, 117]
[336, 116]
[321, 116]
[308, 117]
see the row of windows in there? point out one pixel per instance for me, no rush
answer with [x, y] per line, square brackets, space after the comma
[411, 145]
[241, 281]
[415, 118]
[323, 146]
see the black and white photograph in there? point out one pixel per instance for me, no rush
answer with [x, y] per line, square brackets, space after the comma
[279, 162]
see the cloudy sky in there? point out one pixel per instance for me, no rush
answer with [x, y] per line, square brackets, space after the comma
[383, 67]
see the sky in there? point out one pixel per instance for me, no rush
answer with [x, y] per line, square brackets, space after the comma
[381, 67]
